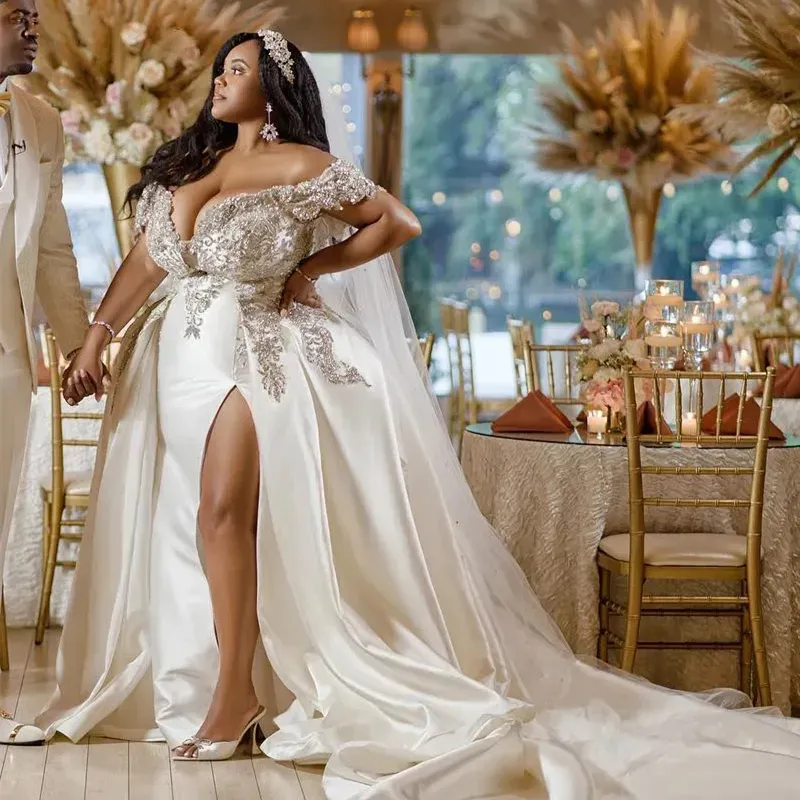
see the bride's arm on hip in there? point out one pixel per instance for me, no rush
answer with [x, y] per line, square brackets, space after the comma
[383, 224]
[134, 282]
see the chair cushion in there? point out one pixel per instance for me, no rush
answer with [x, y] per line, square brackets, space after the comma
[681, 549]
[76, 483]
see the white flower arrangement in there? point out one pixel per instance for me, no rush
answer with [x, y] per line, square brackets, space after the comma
[128, 75]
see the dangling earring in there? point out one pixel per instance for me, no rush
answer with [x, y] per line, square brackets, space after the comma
[269, 133]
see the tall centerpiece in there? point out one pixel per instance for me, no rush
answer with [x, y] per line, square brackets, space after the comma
[128, 75]
[611, 116]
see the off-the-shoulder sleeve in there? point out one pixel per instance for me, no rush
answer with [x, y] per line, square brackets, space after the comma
[341, 184]
[144, 209]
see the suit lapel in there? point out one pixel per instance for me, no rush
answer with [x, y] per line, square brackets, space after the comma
[26, 167]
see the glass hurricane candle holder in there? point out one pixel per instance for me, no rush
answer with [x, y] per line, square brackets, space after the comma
[697, 326]
[663, 301]
[663, 340]
[705, 275]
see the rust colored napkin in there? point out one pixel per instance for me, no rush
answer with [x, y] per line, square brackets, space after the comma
[787, 382]
[730, 410]
[646, 420]
[535, 413]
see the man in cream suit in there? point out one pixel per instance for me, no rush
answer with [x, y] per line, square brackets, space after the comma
[36, 261]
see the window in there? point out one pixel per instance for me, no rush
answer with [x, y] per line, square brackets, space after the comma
[513, 242]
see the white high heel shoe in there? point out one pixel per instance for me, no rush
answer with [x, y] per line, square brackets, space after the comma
[206, 750]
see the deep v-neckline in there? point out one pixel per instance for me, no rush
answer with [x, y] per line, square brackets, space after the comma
[210, 205]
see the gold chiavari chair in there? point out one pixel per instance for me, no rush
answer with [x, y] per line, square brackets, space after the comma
[61, 491]
[640, 556]
[464, 408]
[520, 332]
[426, 346]
[562, 392]
[772, 349]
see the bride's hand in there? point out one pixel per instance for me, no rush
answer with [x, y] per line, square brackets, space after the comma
[84, 376]
[299, 289]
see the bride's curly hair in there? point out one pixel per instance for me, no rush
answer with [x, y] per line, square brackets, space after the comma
[298, 118]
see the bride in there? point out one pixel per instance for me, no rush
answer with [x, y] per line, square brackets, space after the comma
[275, 490]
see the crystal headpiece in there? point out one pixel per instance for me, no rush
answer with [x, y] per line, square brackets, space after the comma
[278, 49]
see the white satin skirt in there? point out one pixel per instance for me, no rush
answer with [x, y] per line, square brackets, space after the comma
[420, 665]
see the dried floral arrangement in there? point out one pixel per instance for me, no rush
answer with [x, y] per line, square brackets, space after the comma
[128, 75]
[612, 116]
[760, 92]
[776, 312]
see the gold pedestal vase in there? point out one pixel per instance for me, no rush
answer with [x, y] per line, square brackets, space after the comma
[642, 215]
[119, 178]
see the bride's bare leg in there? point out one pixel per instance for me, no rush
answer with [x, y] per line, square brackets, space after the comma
[227, 522]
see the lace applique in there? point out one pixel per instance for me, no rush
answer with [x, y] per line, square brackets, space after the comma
[199, 292]
[241, 360]
[154, 220]
[263, 324]
[339, 185]
[318, 347]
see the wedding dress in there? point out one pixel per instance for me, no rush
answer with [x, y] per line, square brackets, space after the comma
[421, 663]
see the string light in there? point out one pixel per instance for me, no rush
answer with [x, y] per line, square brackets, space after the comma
[496, 196]
[495, 255]
[475, 247]
[582, 283]
[495, 292]
[513, 228]
[336, 88]
[346, 87]
[346, 109]
[612, 193]
[783, 184]
[547, 315]
[726, 187]
[439, 198]
[351, 127]
[555, 195]
[669, 190]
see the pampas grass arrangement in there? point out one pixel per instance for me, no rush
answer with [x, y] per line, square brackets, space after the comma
[761, 93]
[128, 75]
[612, 116]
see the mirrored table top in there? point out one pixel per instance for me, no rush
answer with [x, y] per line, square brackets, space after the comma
[580, 436]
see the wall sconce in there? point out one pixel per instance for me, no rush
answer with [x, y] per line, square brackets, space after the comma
[364, 37]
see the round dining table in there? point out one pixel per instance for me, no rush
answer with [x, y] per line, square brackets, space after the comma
[552, 497]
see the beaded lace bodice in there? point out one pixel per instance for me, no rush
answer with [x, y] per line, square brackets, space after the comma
[255, 240]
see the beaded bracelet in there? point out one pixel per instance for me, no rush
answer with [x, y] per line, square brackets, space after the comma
[105, 325]
[310, 280]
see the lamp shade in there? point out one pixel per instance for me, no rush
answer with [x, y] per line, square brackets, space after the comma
[362, 32]
[412, 33]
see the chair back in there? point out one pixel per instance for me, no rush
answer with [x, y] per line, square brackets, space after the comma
[455, 330]
[660, 382]
[560, 361]
[426, 346]
[520, 332]
[772, 349]
[58, 416]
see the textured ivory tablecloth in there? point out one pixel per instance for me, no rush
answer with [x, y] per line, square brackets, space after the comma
[552, 502]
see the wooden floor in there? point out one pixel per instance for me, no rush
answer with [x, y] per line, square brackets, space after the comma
[103, 769]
